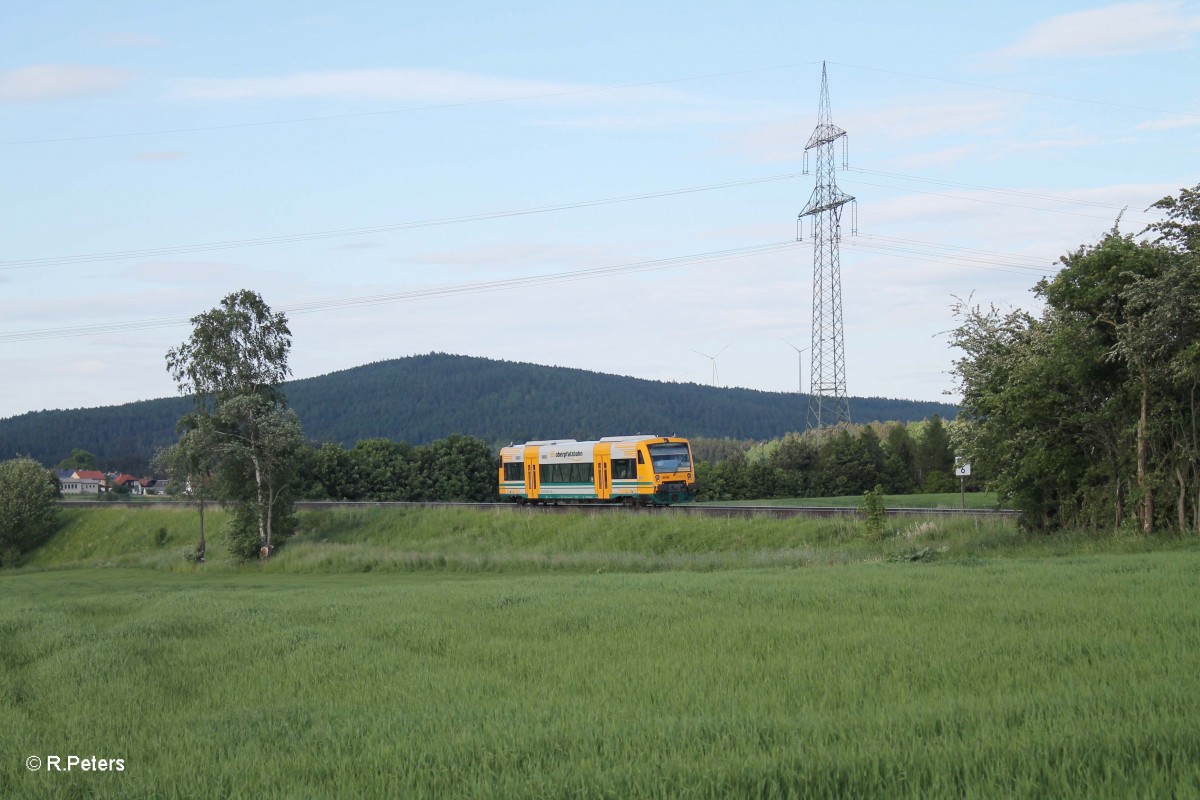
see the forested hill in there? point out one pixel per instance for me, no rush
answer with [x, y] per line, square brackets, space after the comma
[422, 398]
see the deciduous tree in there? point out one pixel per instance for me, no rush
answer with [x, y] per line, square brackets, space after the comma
[233, 365]
[27, 509]
[1090, 410]
[239, 348]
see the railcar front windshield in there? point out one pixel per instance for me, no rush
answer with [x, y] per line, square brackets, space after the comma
[670, 457]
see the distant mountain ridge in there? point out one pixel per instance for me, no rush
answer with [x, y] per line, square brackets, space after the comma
[421, 398]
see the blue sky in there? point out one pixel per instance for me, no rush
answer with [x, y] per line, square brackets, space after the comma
[986, 140]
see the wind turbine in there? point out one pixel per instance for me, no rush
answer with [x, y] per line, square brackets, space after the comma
[714, 360]
[799, 363]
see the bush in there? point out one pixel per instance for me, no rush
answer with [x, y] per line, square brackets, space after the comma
[27, 509]
[241, 531]
[873, 511]
[938, 482]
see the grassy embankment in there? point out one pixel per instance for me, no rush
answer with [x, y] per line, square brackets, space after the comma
[993, 671]
[353, 540]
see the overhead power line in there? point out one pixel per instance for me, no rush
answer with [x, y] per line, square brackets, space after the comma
[978, 188]
[417, 294]
[932, 253]
[230, 244]
[1026, 261]
[156, 252]
[981, 200]
[895, 247]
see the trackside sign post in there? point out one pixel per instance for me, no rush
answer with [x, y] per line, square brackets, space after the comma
[963, 471]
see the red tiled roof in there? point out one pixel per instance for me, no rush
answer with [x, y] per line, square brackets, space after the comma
[90, 474]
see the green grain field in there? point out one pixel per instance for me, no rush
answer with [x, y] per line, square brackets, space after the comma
[460, 654]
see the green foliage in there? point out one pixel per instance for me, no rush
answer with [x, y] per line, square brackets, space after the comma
[241, 530]
[239, 348]
[873, 511]
[934, 454]
[715, 450]
[191, 466]
[939, 482]
[27, 509]
[233, 364]
[841, 462]
[79, 459]
[259, 443]
[1088, 414]
[899, 472]
[459, 468]
[455, 469]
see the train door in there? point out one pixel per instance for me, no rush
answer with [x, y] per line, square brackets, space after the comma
[601, 461]
[533, 483]
[645, 473]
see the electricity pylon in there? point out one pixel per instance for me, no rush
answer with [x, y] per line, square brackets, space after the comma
[828, 403]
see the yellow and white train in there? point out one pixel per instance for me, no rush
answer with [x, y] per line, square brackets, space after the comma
[641, 470]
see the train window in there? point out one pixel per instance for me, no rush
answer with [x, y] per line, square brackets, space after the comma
[513, 472]
[670, 457]
[624, 469]
[568, 473]
[640, 459]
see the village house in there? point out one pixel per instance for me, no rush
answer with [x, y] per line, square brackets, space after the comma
[156, 486]
[128, 482]
[70, 484]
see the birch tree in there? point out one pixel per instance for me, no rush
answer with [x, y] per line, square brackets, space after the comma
[233, 365]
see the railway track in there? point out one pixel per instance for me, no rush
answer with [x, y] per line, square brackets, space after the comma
[593, 508]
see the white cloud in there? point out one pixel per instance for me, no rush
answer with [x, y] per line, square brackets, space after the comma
[52, 81]
[409, 85]
[1169, 123]
[1114, 30]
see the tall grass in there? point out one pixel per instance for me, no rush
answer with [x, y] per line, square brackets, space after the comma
[1009, 678]
[977, 500]
[512, 540]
